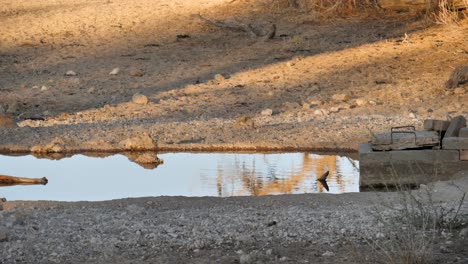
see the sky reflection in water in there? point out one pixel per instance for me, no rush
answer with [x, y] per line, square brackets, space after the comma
[82, 178]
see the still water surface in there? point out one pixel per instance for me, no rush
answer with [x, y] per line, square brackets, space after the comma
[82, 178]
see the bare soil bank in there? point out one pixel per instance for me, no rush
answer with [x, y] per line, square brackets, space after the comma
[320, 83]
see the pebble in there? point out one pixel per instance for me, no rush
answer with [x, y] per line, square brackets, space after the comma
[328, 254]
[380, 235]
[334, 109]
[70, 73]
[136, 73]
[140, 99]
[3, 236]
[412, 115]
[91, 90]
[305, 106]
[44, 88]
[267, 112]
[219, 78]
[315, 102]
[340, 97]
[361, 102]
[245, 259]
[114, 71]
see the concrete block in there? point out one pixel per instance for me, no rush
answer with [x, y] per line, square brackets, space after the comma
[463, 132]
[464, 155]
[368, 156]
[436, 125]
[455, 125]
[455, 143]
[398, 140]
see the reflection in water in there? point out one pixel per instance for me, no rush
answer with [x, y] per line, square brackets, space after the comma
[186, 174]
[273, 174]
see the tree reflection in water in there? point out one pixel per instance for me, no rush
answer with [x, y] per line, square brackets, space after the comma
[252, 175]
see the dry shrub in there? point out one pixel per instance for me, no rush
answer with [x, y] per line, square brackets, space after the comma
[446, 12]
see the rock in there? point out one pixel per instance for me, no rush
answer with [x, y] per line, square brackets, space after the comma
[44, 88]
[361, 102]
[245, 259]
[136, 73]
[267, 112]
[219, 78]
[3, 236]
[114, 71]
[291, 105]
[70, 73]
[6, 121]
[55, 146]
[243, 122]
[315, 102]
[305, 106]
[328, 254]
[340, 97]
[140, 99]
[412, 115]
[335, 109]
[141, 142]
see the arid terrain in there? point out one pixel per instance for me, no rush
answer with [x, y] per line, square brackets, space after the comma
[171, 75]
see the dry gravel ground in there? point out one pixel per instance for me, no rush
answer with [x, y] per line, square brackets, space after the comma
[312, 228]
[324, 82]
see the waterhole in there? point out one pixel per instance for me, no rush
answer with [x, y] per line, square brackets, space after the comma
[84, 178]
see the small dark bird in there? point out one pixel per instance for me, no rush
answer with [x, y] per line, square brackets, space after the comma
[323, 180]
[324, 176]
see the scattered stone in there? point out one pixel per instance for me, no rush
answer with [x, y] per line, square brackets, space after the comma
[44, 88]
[55, 146]
[267, 112]
[244, 122]
[219, 78]
[7, 121]
[305, 106]
[140, 99]
[245, 259]
[91, 90]
[321, 112]
[361, 102]
[335, 109]
[372, 103]
[412, 115]
[340, 97]
[114, 71]
[328, 254]
[141, 142]
[291, 105]
[70, 73]
[380, 235]
[3, 236]
[136, 73]
[315, 102]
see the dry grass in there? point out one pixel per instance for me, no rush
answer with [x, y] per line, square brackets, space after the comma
[447, 13]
